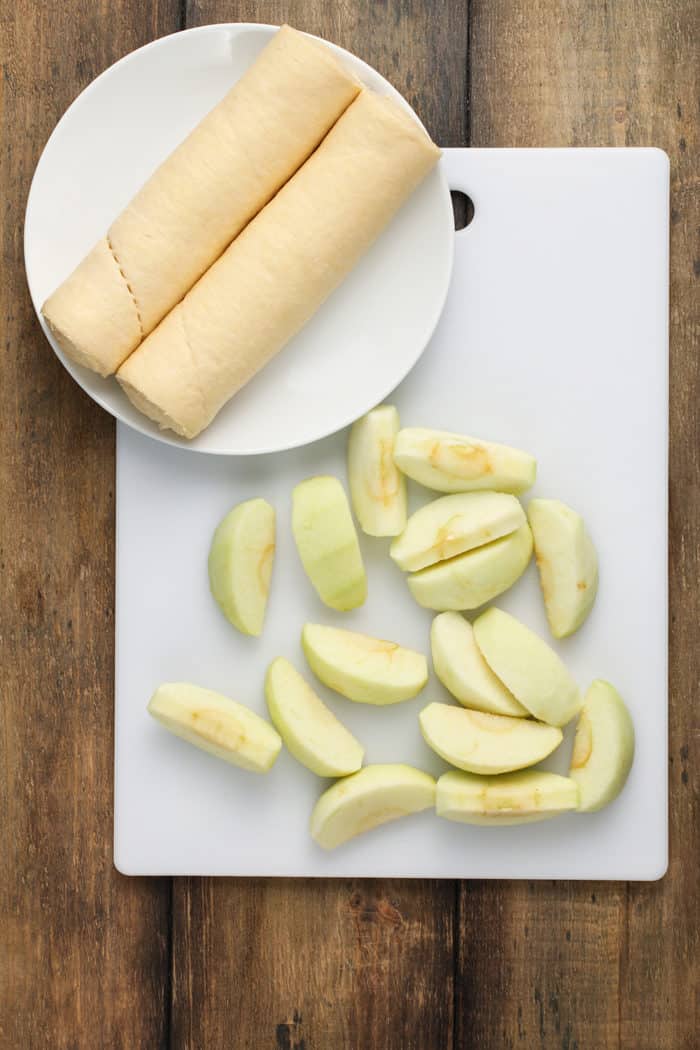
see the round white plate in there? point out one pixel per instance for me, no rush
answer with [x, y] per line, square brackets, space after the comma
[355, 350]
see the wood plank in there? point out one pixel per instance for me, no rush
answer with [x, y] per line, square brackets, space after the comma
[84, 951]
[568, 965]
[302, 964]
[538, 965]
[344, 964]
[660, 973]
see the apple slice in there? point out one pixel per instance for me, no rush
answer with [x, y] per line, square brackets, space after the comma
[374, 796]
[483, 743]
[528, 667]
[216, 724]
[514, 798]
[240, 564]
[377, 488]
[326, 539]
[368, 670]
[474, 578]
[309, 729]
[567, 562]
[452, 525]
[462, 669]
[603, 747]
[456, 463]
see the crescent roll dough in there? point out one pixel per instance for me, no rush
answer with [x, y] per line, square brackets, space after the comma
[199, 199]
[279, 270]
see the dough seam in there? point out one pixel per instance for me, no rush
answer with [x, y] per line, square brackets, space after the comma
[128, 285]
[197, 382]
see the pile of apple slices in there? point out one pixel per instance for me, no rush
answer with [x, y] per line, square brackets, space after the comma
[490, 750]
[505, 676]
[461, 550]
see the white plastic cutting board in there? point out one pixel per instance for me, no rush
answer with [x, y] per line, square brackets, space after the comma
[554, 339]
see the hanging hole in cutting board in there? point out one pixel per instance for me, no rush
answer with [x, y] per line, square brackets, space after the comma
[463, 208]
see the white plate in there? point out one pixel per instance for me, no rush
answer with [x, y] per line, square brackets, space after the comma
[356, 349]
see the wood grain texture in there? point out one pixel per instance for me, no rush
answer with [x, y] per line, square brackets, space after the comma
[314, 965]
[608, 965]
[310, 965]
[83, 952]
[538, 965]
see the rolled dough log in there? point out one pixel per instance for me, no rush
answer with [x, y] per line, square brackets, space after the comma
[281, 268]
[199, 199]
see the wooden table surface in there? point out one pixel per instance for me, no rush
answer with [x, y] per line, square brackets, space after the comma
[93, 960]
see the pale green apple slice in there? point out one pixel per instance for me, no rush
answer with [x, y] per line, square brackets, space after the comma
[216, 724]
[528, 667]
[482, 743]
[367, 670]
[377, 487]
[326, 539]
[454, 524]
[240, 564]
[603, 747]
[450, 462]
[513, 798]
[310, 730]
[567, 562]
[374, 796]
[474, 578]
[463, 671]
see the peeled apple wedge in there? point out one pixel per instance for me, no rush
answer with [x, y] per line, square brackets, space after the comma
[476, 577]
[528, 667]
[375, 795]
[310, 730]
[452, 525]
[603, 747]
[368, 670]
[326, 539]
[240, 564]
[377, 488]
[567, 563]
[216, 724]
[514, 798]
[463, 671]
[481, 743]
[456, 463]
